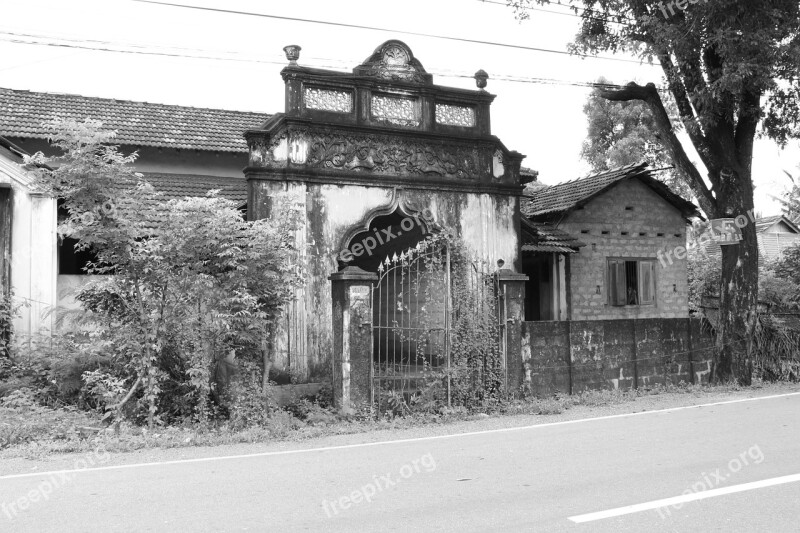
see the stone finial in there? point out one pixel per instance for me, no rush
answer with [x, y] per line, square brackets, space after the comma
[292, 53]
[480, 79]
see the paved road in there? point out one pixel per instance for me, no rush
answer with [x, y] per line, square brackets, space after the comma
[742, 460]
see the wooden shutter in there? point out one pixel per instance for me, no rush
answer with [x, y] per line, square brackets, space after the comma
[647, 285]
[616, 282]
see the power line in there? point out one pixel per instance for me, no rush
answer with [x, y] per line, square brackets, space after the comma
[375, 28]
[30, 40]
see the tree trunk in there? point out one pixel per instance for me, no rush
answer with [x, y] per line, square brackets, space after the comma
[738, 293]
[727, 153]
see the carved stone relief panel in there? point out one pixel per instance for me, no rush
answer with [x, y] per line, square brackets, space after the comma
[399, 111]
[455, 115]
[380, 154]
[328, 100]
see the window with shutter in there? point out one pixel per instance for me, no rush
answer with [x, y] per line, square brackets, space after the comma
[647, 282]
[631, 282]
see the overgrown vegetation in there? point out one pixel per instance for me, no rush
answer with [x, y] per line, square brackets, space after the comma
[173, 321]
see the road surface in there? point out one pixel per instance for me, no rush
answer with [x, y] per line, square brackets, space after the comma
[732, 466]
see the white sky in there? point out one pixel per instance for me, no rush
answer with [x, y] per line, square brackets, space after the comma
[545, 122]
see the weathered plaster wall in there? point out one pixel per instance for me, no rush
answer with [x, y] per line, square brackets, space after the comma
[33, 250]
[303, 342]
[652, 225]
[574, 356]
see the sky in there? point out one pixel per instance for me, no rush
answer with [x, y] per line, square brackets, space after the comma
[236, 60]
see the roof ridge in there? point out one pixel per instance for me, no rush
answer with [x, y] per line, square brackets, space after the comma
[118, 100]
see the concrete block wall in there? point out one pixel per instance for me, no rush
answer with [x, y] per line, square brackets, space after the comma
[628, 221]
[574, 356]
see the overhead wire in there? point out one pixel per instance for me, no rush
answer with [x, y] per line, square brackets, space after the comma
[376, 28]
[109, 46]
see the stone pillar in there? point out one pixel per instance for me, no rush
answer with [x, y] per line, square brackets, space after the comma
[512, 293]
[351, 290]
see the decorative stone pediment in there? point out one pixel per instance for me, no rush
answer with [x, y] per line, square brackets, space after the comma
[384, 124]
[393, 60]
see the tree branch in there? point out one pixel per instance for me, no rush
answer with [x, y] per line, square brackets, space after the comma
[649, 95]
[688, 116]
[747, 123]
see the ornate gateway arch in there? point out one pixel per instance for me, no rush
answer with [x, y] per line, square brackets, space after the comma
[363, 152]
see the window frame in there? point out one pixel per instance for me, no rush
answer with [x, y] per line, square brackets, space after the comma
[639, 280]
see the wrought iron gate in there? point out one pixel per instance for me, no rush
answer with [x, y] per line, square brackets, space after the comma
[424, 303]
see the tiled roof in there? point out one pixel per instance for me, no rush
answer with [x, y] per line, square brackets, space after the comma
[176, 186]
[542, 237]
[571, 194]
[137, 123]
[764, 223]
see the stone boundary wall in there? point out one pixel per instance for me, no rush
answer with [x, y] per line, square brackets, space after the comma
[574, 356]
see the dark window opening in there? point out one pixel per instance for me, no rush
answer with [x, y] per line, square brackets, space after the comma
[73, 262]
[631, 282]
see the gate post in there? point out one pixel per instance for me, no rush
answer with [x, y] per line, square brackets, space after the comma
[351, 291]
[512, 292]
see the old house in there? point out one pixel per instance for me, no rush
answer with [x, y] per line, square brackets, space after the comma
[183, 151]
[775, 234]
[599, 245]
[608, 252]
[28, 243]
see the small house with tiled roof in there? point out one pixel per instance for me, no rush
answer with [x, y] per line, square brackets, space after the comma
[614, 228]
[775, 234]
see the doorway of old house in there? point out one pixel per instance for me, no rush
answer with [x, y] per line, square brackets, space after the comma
[545, 290]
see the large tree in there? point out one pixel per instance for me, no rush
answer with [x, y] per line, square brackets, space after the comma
[624, 133]
[731, 66]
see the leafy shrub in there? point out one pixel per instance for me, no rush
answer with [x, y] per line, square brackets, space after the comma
[246, 404]
[101, 390]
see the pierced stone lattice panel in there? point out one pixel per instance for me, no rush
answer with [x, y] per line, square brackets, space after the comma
[455, 115]
[327, 100]
[400, 111]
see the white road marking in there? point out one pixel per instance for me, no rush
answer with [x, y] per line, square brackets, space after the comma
[399, 441]
[666, 502]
